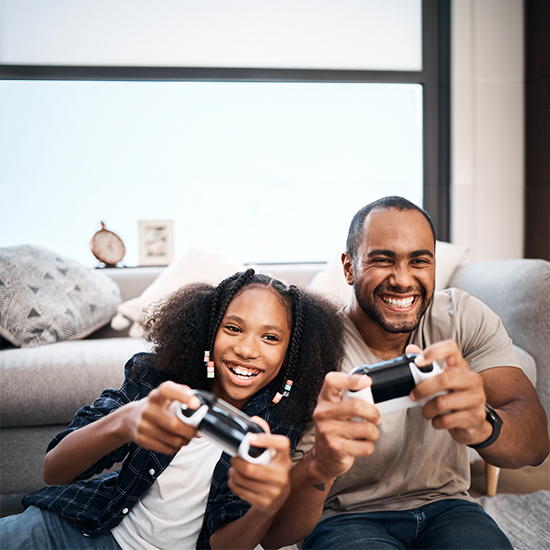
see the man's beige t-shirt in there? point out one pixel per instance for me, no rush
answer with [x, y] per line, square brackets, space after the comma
[413, 463]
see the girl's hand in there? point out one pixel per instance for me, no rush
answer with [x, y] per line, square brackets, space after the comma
[152, 423]
[265, 487]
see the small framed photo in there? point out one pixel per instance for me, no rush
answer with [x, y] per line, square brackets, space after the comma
[156, 242]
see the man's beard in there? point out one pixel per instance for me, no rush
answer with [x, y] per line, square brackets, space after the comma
[397, 326]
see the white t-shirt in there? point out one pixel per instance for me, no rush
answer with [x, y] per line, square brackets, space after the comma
[170, 514]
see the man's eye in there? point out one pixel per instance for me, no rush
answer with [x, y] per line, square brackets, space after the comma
[381, 261]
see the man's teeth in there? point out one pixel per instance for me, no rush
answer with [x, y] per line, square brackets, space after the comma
[404, 302]
[240, 371]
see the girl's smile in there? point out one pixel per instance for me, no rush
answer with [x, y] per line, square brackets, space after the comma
[251, 344]
[243, 373]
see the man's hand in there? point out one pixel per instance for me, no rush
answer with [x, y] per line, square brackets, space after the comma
[461, 411]
[338, 439]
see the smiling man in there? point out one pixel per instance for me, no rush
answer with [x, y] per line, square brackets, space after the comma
[401, 480]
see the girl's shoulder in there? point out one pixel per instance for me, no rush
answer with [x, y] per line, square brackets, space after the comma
[140, 371]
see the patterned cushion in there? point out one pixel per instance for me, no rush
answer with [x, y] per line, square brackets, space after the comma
[46, 298]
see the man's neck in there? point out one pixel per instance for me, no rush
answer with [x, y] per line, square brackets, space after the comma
[382, 343]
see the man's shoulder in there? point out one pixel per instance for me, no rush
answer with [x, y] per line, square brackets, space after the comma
[453, 303]
[478, 331]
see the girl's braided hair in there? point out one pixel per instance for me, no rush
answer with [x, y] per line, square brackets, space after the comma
[184, 325]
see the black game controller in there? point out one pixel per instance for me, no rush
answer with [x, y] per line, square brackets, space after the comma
[392, 381]
[227, 426]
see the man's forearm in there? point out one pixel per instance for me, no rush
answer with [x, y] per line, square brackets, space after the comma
[523, 440]
[302, 510]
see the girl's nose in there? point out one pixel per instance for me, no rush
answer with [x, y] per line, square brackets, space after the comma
[246, 347]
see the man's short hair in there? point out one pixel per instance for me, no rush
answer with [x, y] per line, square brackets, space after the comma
[356, 227]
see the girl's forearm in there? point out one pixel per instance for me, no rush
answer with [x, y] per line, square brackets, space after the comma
[243, 533]
[82, 448]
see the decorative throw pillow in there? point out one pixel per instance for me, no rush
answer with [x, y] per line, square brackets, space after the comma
[47, 298]
[193, 267]
[331, 281]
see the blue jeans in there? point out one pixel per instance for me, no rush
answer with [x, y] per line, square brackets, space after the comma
[37, 529]
[446, 524]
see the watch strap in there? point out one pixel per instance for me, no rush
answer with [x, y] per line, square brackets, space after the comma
[494, 419]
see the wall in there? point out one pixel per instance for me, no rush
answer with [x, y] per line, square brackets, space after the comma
[487, 173]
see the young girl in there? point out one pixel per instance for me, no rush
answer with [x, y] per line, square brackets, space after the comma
[259, 345]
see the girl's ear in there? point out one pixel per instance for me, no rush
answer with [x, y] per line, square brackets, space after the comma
[284, 364]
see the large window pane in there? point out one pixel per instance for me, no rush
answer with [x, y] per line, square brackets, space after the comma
[260, 172]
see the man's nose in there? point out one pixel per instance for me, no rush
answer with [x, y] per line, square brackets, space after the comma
[401, 277]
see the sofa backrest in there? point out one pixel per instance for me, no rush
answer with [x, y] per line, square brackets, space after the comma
[518, 291]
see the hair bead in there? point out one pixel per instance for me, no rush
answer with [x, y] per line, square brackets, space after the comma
[288, 387]
[277, 398]
[210, 369]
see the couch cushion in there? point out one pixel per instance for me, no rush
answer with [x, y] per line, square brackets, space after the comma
[518, 291]
[47, 385]
[47, 298]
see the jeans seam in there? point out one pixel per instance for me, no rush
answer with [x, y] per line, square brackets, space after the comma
[420, 520]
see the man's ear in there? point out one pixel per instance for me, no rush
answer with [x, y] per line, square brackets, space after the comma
[347, 264]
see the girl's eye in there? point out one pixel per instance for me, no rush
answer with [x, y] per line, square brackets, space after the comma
[271, 337]
[232, 328]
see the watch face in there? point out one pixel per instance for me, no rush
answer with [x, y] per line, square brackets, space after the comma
[492, 415]
[107, 247]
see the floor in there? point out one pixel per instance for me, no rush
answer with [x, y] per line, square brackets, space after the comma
[521, 481]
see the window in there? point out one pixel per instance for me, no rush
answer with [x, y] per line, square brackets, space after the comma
[262, 172]
[262, 165]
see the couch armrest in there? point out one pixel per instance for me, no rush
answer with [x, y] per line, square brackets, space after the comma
[518, 291]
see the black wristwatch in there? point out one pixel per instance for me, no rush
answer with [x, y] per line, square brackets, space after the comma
[496, 422]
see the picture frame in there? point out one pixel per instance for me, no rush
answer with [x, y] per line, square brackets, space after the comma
[156, 242]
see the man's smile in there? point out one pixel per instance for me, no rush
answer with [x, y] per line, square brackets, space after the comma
[399, 303]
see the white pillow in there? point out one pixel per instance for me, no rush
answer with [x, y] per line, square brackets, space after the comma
[193, 267]
[448, 258]
[46, 297]
[331, 281]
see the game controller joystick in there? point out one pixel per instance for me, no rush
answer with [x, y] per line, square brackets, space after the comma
[392, 381]
[227, 426]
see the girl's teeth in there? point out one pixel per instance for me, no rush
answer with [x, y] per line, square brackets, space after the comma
[404, 302]
[243, 372]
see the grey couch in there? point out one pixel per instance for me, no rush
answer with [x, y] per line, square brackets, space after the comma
[42, 388]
